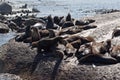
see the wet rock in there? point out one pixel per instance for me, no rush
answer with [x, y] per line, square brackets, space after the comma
[4, 28]
[5, 8]
[35, 10]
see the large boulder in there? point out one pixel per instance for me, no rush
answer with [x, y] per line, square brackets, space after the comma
[5, 8]
[4, 28]
[16, 58]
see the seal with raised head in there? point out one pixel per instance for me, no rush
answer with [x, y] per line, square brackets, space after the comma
[68, 17]
[35, 36]
[20, 38]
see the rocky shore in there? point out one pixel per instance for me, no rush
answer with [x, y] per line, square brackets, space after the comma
[16, 56]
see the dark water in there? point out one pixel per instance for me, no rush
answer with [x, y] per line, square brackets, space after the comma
[77, 8]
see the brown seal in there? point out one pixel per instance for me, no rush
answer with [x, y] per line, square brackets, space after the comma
[47, 44]
[20, 38]
[35, 36]
[115, 52]
[97, 52]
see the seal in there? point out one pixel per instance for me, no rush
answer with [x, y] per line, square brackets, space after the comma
[47, 44]
[50, 23]
[68, 17]
[69, 31]
[115, 52]
[89, 27]
[87, 54]
[35, 35]
[116, 33]
[20, 38]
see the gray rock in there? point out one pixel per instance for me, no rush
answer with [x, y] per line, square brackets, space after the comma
[4, 28]
[5, 8]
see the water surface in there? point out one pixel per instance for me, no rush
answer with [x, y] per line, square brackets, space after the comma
[78, 8]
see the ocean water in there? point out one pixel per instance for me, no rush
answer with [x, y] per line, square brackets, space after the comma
[77, 8]
[6, 37]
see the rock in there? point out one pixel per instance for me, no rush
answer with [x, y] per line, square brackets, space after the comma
[7, 76]
[5, 8]
[4, 28]
[35, 10]
[16, 58]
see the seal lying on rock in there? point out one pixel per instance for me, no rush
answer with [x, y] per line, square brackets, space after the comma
[96, 53]
[20, 38]
[89, 27]
[84, 22]
[83, 39]
[115, 52]
[35, 36]
[47, 43]
[69, 31]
